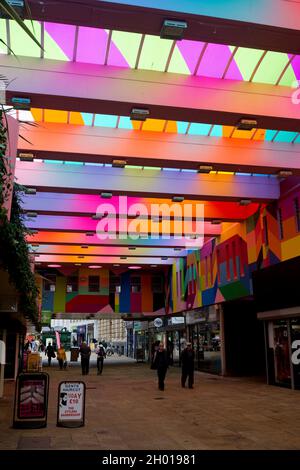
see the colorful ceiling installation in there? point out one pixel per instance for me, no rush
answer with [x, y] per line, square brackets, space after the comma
[133, 50]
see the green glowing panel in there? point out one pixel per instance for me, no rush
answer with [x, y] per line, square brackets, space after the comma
[21, 43]
[52, 49]
[128, 45]
[155, 53]
[178, 64]
[246, 60]
[271, 67]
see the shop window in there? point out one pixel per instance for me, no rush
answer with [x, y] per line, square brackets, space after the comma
[265, 227]
[211, 269]
[135, 284]
[297, 214]
[157, 284]
[50, 282]
[228, 275]
[218, 266]
[206, 271]
[114, 284]
[94, 283]
[280, 224]
[234, 260]
[72, 284]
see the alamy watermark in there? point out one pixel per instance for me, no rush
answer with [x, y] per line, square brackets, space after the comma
[163, 221]
[296, 92]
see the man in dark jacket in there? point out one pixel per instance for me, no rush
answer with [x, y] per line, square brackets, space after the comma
[85, 352]
[161, 364]
[187, 363]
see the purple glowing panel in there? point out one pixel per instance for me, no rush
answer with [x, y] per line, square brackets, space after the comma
[115, 57]
[91, 45]
[214, 62]
[190, 51]
[63, 35]
[296, 66]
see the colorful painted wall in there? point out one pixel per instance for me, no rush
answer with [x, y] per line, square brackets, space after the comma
[222, 269]
[133, 297]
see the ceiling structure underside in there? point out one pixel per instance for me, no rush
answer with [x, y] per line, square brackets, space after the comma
[102, 59]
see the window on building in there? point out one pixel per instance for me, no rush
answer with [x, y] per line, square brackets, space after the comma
[94, 283]
[234, 260]
[228, 274]
[72, 284]
[114, 284]
[135, 284]
[297, 214]
[265, 227]
[157, 284]
[280, 224]
[50, 282]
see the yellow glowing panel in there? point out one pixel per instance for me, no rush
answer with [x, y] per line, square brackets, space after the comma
[171, 127]
[37, 114]
[52, 115]
[76, 118]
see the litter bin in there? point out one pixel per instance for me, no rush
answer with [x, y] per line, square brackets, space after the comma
[74, 354]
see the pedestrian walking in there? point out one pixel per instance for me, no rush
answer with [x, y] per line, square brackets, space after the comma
[50, 353]
[101, 355]
[61, 357]
[160, 363]
[85, 352]
[187, 364]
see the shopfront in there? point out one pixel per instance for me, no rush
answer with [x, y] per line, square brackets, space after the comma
[282, 339]
[172, 334]
[203, 326]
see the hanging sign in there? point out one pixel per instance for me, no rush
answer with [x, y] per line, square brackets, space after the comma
[71, 404]
[158, 322]
[31, 400]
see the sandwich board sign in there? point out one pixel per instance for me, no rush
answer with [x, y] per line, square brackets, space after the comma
[71, 404]
[31, 400]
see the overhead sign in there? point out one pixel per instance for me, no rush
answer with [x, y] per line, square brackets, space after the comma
[71, 404]
[31, 400]
[158, 322]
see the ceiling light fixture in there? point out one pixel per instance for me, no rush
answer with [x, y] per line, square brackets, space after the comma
[172, 29]
[205, 168]
[284, 173]
[178, 198]
[245, 202]
[164, 258]
[54, 265]
[30, 191]
[119, 163]
[31, 214]
[153, 265]
[26, 157]
[94, 266]
[21, 103]
[131, 248]
[77, 264]
[139, 114]
[134, 267]
[89, 234]
[246, 124]
[106, 195]
[116, 265]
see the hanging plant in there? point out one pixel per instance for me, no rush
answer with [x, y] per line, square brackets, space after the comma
[14, 253]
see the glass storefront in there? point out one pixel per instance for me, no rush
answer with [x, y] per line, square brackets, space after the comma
[204, 334]
[283, 352]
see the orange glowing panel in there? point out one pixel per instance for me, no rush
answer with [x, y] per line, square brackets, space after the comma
[52, 115]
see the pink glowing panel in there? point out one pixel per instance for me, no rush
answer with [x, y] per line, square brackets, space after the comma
[190, 51]
[63, 35]
[91, 45]
[214, 62]
[54, 265]
[134, 267]
[94, 266]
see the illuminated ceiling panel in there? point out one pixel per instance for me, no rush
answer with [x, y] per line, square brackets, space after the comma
[123, 49]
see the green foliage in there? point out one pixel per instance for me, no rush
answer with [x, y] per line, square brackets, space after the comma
[14, 254]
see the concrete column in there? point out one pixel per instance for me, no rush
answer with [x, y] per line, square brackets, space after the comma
[2, 363]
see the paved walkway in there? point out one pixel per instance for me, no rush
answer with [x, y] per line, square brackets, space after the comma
[124, 410]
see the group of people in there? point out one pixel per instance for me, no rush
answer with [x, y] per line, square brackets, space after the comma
[85, 353]
[160, 362]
